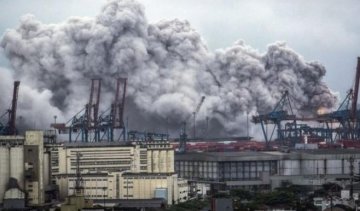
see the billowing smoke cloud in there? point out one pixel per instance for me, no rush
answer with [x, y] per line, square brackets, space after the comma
[168, 67]
[34, 108]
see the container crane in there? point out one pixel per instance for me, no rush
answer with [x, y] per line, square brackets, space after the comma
[114, 120]
[85, 122]
[347, 113]
[276, 116]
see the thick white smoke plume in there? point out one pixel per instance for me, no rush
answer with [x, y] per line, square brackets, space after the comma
[34, 108]
[168, 67]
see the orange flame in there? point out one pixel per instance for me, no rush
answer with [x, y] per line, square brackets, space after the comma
[321, 111]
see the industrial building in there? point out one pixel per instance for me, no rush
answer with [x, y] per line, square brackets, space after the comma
[22, 160]
[141, 170]
[138, 170]
[268, 169]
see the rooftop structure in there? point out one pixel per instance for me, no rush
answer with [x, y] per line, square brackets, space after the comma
[268, 168]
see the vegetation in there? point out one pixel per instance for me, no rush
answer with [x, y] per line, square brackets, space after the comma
[193, 204]
[287, 197]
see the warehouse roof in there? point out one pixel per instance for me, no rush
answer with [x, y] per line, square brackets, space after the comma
[270, 155]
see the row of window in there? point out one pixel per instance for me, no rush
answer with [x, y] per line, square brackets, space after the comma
[95, 195]
[241, 170]
[142, 177]
[89, 179]
[128, 187]
[99, 162]
[111, 169]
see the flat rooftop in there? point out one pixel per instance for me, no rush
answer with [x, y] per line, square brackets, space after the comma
[12, 137]
[96, 144]
[269, 155]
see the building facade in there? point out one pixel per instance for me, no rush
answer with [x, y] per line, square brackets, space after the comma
[34, 167]
[268, 169]
[23, 159]
[118, 171]
[11, 161]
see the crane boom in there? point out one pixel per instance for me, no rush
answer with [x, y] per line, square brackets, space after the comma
[12, 112]
[199, 105]
[93, 105]
[119, 103]
[356, 91]
[195, 113]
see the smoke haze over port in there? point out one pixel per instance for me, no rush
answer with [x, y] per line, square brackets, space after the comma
[168, 65]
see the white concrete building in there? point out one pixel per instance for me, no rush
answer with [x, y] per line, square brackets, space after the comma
[34, 167]
[117, 171]
[22, 158]
[11, 161]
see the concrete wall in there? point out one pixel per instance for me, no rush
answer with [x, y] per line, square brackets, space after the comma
[237, 169]
[46, 172]
[103, 166]
[17, 164]
[11, 161]
[181, 192]
[126, 186]
[96, 159]
[143, 186]
[34, 167]
[157, 158]
[160, 158]
[321, 166]
[5, 170]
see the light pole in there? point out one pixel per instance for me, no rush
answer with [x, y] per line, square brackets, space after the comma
[247, 124]
[104, 189]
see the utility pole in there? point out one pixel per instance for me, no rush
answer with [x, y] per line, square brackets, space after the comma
[247, 124]
[351, 160]
[194, 115]
[207, 126]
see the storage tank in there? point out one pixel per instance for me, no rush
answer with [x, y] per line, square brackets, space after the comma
[155, 161]
[17, 164]
[162, 161]
[170, 161]
[4, 170]
[46, 169]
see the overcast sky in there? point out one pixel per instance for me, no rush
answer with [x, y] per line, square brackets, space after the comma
[323, 30]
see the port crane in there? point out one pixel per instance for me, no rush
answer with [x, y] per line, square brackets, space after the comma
[88, 125]
[84, 123]
[183, 135]
[113, 119]
[10, 127]
[347, 115]
[281, 112]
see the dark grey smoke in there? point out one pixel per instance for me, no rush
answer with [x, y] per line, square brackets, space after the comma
[168, 67]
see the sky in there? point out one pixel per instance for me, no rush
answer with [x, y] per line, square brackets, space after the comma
[326, 31]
